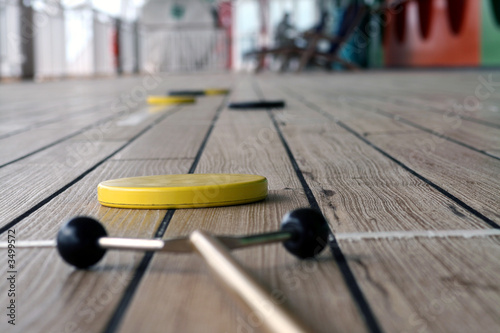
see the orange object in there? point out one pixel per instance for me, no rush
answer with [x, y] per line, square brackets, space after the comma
[433, 33]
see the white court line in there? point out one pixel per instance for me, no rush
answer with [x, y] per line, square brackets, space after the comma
[133, 119]
[358, 236]
[347, 236]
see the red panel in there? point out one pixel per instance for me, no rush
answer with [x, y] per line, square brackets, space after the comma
[400, 17]
[425, 14]
[456, 14]
[434, 33]
[226, 21]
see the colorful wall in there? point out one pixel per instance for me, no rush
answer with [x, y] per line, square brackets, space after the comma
[490, 35]
[443, 33]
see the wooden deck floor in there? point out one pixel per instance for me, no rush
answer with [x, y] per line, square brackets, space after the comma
[396, 153]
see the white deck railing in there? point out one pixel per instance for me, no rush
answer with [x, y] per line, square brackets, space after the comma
[165, 49]
[82, 42]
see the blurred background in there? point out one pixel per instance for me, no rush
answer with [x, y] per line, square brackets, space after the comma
[45, 39]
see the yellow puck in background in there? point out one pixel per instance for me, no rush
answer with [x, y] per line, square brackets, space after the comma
[170, 99]
[182, 191]
[216, 91]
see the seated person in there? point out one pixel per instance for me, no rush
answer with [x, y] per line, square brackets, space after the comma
[285, 32]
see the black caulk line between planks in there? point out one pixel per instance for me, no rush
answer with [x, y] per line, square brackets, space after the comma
[50, 121]
[403, 120]
[81, 176]
[116, 319]
[349, 279]
[426, 108]
[440, 111]
[67, 137]
[447, 194]
[428, 130]
[434, 109]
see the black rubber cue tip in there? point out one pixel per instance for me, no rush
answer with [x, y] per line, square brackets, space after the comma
[77, 241]
[310, 232]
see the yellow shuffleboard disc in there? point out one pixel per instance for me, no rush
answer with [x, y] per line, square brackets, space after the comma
[182, 191]
[170, 99]
[216, 91]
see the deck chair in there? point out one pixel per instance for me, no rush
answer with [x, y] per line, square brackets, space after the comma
[309, 52]
[351, 19]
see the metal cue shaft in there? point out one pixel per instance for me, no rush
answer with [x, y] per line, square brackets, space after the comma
[235, 242]
[183, 244]
[239, 281]
[180, 245]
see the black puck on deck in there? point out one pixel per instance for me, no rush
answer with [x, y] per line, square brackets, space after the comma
[77, 241]
[310, 232]
[186, 93]
[193, 93]
[257, 105]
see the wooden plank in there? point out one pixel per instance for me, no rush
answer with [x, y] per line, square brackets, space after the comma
[53, 168]
[366, 123]
[357, 187]
[479, 136]
[26, 142]
[421, 284]
[17, 123]
[53, 296]
[468, 133]
[395, 310]
[84, 300]
[465, 174]
[407, 92]
[39, 101]
[191, 122]
[241, 142]
[50, 170]
[50, 101]
[482, 114]
[125, 126]
[35, 179]
[430, 285]
[435, 286]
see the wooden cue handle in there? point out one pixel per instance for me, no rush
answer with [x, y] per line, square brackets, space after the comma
[239, 281]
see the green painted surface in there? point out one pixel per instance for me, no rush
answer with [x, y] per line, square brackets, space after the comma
[490, 35]
[376, 50]
[375, 47]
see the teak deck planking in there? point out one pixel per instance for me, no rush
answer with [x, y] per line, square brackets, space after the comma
[449, 288]
[436, 159]
[73, 311]
[226, 151]
[357, 141]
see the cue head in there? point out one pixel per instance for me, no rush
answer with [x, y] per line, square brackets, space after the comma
[310, 232]
[77, 241]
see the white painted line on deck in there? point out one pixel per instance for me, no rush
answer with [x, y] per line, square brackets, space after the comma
[358, 236]
[134, 119]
